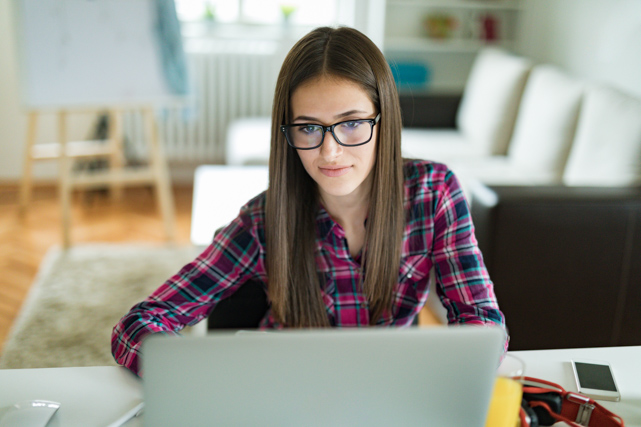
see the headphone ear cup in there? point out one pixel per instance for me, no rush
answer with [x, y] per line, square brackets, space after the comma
[530, 414]
[553, 400]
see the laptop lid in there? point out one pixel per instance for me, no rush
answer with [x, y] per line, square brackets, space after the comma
[418, 376]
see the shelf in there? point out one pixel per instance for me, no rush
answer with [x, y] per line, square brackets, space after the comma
[415, 44]
[473, 5]
[448, 60]
[434, 89]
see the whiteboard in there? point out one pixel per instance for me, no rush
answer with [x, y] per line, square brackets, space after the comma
[89, 53]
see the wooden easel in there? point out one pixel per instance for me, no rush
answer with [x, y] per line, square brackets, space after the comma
[116, 176]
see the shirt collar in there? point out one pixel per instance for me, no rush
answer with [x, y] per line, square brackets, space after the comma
[325, 224]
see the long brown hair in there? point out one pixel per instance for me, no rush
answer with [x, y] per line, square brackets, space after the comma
[292, 196]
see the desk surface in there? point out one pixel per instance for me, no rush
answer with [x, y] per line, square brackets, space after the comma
[97, 396]
[554, 365]
[88, 396]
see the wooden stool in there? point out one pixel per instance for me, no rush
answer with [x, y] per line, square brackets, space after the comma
[116, 176]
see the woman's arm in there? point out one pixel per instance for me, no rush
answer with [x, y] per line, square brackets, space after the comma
[463, 283]
[189, 296]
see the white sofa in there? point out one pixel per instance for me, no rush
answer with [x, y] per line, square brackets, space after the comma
[568, 135]
[543, 134]
[583, 135]
[566, 132]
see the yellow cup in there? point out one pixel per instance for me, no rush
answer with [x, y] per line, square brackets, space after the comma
[508, 391]
[505, 403]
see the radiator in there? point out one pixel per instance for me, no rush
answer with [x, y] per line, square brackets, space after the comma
[230, 80]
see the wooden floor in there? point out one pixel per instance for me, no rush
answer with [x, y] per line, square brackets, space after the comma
[95, 218]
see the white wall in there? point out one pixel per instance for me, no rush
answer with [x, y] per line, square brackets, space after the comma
[594, 39]
[12, 123]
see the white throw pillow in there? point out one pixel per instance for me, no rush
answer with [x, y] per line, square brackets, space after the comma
[491, 99]
[607, 148]
[547, 120]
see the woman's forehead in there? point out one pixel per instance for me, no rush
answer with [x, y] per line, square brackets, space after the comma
[329, 97]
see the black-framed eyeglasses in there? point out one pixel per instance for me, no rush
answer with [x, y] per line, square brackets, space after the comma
[350, 133]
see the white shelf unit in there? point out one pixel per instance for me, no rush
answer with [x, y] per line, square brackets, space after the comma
[450, 58]
[413, 44]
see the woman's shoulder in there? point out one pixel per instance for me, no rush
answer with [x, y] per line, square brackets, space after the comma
[253, 212]
[255, 205]
[430, 186]
[249, 223]
[425, 173]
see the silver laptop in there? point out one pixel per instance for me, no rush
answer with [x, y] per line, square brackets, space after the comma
[440, 376]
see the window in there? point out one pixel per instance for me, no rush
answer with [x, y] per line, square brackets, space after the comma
[266, 12]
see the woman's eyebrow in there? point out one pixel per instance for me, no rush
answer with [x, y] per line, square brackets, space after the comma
[349, 113]
[308, 118]
[337, 116]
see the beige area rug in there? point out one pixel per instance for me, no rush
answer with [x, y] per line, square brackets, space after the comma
[77, 298]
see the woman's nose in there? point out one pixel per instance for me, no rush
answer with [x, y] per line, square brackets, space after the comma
[330, 148]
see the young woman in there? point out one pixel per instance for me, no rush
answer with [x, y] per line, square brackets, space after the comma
[348, 231]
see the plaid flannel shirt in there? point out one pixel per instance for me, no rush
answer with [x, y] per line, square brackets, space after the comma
[438, 234]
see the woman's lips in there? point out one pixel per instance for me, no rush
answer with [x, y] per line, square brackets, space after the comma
[335, 171]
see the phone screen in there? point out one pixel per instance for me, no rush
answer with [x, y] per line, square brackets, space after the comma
[595, 376]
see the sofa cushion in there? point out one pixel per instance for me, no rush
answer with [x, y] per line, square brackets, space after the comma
[491, 99]
[547, 120]
[439, 145]
[607, 147]
[498, 170]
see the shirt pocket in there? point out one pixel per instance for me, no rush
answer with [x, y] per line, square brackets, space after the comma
[412, 283]
[413, 268]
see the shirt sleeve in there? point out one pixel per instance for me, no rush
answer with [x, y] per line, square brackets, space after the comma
[463, 283]
[189, 296]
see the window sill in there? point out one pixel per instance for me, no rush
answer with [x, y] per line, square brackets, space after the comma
[239, 31]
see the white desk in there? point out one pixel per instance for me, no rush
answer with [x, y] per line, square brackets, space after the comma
[97, 396]
[554, 365]
[92, 396]
[219, 193]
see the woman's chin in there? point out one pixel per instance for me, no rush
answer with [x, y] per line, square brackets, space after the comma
[337, 189]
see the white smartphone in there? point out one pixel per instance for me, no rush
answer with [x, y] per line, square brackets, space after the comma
[595, 379]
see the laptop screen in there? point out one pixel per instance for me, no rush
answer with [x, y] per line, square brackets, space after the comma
[439, 376]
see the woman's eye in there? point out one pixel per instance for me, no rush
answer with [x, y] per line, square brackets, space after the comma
[308, 130]
[350, 126]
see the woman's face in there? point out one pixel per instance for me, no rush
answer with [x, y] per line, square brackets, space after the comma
[339, 171]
